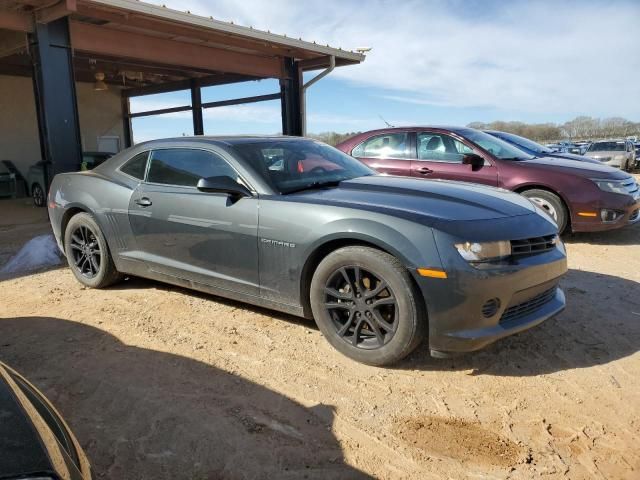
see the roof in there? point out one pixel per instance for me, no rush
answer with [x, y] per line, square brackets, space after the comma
[230, 28]
[226, 139]
[137, 44]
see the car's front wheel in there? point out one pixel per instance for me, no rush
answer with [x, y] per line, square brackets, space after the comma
[87, 252]
[366, 305]
[37, 193]
[551, 204]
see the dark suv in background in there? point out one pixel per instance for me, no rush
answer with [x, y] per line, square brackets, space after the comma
[580, 196]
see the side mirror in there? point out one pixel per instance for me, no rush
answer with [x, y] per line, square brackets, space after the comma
[473, 159]
[223, 184]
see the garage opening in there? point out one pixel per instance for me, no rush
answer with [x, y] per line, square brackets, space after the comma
[78, 80]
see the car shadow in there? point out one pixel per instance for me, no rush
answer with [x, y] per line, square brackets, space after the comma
[141, 413]
[601, 324]
[134, 283]
[623, 236]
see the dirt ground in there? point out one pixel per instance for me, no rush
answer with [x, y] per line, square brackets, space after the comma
[159, 382]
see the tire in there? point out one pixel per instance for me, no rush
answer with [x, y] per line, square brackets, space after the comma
[37, 193]
[88, 254]
[355, 329]
[550, 203]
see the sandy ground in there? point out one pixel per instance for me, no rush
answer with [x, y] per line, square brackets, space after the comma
[160, 382]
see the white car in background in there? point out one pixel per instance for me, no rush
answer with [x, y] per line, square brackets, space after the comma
[615, 153]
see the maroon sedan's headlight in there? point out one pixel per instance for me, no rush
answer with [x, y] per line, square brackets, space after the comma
[611, 186]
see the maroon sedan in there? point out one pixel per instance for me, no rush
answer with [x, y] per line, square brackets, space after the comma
[580, 196]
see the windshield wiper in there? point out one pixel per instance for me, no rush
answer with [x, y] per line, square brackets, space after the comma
[314, 185]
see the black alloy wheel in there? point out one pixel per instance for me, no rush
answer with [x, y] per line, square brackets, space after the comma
[85, 251]
[37, 193]
[362, 307]
[367, 305]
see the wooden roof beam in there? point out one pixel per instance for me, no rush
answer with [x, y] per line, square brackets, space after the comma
[16, 21]
[107, 41]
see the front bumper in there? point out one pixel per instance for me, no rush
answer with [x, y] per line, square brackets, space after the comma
[521, 294]
[627, 206]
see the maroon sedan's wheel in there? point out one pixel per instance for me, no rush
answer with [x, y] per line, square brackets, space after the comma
[87, 252]
[551, 204]
[366, 305]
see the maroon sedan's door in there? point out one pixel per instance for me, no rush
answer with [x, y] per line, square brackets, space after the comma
[439, 155]
[388, 153]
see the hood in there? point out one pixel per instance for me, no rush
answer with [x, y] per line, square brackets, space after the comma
[21, 449]
[573, 156]
[419, 199]
[577, 167]
[606, 153]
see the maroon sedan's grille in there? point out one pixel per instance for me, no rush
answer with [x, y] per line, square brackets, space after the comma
[529, 246]
[525, 308]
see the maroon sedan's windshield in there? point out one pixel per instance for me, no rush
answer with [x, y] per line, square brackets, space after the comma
[498, 148]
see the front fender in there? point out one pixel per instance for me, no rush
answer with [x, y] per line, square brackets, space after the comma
[414, 245]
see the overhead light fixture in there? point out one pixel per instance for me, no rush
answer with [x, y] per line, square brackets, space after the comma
[100, 86]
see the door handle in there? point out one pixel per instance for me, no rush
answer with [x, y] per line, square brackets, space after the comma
[143, 202]
[424, 171]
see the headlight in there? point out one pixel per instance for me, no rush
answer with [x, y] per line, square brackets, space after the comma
[613, 186]
[484, 252]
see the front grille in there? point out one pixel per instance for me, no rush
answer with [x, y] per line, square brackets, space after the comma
[525, 308]
[530, 246]
[634, 215]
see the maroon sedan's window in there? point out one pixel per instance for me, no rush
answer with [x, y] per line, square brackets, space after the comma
[441, 148]
[389, 145]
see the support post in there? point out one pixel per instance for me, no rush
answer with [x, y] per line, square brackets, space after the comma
[196, 107]
[291, 99]
[126, 121]
[56, 101]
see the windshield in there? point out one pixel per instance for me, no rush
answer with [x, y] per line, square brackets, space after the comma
[294, 165]
[498, 148]
[607, 147]
[523, 142]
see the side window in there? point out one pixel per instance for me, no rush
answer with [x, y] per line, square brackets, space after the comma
[437, 147]
[390, 145]
[136, 166]
[181, 166]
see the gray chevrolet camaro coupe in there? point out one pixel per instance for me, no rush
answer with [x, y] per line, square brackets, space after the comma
[294, 225]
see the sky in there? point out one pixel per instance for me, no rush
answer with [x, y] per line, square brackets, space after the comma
[432, 62]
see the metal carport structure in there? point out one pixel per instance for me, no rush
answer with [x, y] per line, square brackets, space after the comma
[144, 49]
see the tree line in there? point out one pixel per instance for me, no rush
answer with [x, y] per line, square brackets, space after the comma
[580, 128]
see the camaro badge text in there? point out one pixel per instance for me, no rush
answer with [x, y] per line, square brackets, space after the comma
[278, 243]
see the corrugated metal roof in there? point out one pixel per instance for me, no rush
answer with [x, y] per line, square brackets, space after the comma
[230, 28]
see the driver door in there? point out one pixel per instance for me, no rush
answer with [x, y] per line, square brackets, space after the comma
[182, 232]
[439, 155]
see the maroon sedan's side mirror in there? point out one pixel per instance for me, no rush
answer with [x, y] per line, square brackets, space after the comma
[473, 159]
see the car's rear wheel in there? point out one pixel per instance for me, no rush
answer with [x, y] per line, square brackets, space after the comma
[551, 204]
[37, 193]
[87, 252]
[366, 305]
